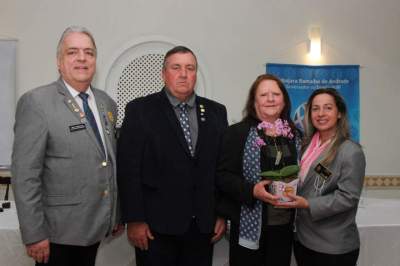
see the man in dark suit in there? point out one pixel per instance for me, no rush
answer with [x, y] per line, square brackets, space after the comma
[167, 153]
[64, 161]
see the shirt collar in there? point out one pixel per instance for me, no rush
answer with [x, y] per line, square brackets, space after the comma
[174, 101]
[75, 93]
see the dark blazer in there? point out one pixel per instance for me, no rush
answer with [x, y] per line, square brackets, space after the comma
[160, 183]
[230, 181]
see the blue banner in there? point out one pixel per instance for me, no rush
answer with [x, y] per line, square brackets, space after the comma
[301, 80]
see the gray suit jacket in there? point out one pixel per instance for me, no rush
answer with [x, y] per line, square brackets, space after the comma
[329, 225]
[65, 190]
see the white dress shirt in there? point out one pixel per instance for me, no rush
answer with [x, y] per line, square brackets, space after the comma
[93, 107]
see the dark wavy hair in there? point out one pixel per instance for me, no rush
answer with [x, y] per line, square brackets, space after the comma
[342, 128]
[249, 111]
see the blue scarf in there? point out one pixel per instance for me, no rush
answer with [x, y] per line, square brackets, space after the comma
[251, 217]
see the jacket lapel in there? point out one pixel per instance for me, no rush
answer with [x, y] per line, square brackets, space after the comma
[201, 111]
[73, 106]
[311, 172]
[173, 121]
[70, 102]
[106, 124]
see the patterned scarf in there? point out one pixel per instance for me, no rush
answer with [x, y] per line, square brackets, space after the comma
[251, 218]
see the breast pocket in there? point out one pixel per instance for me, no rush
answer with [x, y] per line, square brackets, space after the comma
[62, 200]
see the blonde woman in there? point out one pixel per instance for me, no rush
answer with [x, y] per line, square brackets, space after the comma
[331, 180]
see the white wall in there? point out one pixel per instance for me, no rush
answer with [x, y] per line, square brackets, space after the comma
[234, 38]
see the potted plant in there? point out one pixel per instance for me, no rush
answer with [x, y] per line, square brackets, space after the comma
[284, 181]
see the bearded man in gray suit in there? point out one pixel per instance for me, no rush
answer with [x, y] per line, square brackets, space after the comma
[63, 161]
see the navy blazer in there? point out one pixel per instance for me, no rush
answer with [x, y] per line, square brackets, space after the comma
[160, 183]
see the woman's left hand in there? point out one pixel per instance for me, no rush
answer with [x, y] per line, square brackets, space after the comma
[260, 192]
[297, 202]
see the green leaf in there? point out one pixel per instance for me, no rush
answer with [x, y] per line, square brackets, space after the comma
[286, 171]
[290, 170]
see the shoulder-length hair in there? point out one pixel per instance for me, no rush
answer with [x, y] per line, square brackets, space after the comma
[342, 127]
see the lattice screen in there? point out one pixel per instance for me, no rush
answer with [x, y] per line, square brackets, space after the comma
[142, 76]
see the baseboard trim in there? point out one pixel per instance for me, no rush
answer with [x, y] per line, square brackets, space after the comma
[382, 181]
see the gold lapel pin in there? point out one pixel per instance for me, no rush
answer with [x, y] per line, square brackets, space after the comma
[110, 116]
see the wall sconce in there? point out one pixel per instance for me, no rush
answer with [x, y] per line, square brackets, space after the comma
[314, 34]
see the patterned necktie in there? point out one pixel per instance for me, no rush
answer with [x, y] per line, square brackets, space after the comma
[184, 121]
[90, 117]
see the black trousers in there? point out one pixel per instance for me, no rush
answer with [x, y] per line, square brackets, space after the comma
[275, 247]
[307, 257]
[67, 255]
[192, 248]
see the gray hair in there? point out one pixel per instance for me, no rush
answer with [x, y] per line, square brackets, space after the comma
[72, 29]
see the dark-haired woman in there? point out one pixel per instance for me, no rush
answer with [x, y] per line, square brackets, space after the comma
[332, 174]
[264, 140]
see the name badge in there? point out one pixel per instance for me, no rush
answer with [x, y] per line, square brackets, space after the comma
[322, 171]
[77, 127]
